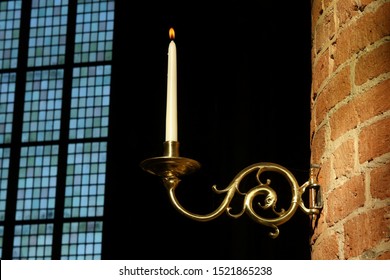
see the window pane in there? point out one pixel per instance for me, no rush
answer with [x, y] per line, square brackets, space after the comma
[43, 102]
[94, 30]
[90, 102]
[85, 180]
[47, 33]
[10, 13]
[82, 240]
[33, 242]
[37, 183]
[4, 165]
[42, 106]
[7, 98]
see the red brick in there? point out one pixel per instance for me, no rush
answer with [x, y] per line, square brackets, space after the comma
[366, 231]
[325, 31]
[374, 102]
[364, 3]
[345, 199]
[343, 120]
[384, 255]
[326, 3]
[346, 9]
[327, 249]
[313, 125]
[380, 182]
[324, 176]
[357, 29]
[320, 72]
[363, 107]
[336, 90]
[369, 28]
[318, 228]
[316, 12]
[373, 64]
[344, 158]
[318, 145]
[374, 140]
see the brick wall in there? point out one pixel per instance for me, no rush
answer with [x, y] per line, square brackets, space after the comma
[350, 127]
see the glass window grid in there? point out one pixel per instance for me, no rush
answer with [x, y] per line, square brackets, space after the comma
[4, 169]
[42, 106]
[33, 241]
[10, 14]
[48, 26]
[90, 102]
[85, 180]
[1, 241]
[37, 183]
[94, 31]
[82, 240]
[7, 99]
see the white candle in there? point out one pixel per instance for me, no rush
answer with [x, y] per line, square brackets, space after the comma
[171, 113]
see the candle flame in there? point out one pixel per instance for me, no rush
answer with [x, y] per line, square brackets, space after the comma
[171, 33]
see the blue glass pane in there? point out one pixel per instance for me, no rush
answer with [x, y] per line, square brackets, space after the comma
[94, 30]
[4, 168]
[85, 180]
[90, 102]
[7, 98]
[37, 183]
[82, 240]
[33, 242]
[48, 32]
[10, 14]
[42, 106]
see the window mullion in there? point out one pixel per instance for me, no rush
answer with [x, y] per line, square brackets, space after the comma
[64, 135]
[9, 221]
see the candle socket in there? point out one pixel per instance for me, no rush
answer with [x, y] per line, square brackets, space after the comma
[171, 149]
[170, 164]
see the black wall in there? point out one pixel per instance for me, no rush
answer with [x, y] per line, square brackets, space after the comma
[244, 75]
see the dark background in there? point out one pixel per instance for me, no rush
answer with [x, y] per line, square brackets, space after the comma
[244, 76]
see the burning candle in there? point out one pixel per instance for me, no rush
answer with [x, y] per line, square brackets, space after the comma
[171, 113]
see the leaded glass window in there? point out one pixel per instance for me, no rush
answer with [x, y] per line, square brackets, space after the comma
[48, 27]
[85, 180]
[42, 105]
[90, 102]
[10, 12]
[81, 240]
[94, 31]
[37, 182]
[4, 170]
[33, 241]
[55, 74]
[7, 99]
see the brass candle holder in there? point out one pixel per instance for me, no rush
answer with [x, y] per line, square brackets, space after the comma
[171, 167]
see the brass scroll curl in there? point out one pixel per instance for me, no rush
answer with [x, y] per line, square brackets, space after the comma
[261, 189]
[171, 167]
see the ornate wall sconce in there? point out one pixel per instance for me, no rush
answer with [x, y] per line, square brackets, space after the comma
[171, 167]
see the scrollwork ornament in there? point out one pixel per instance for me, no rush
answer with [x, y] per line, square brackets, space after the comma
[170, 167]
[262, 189]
